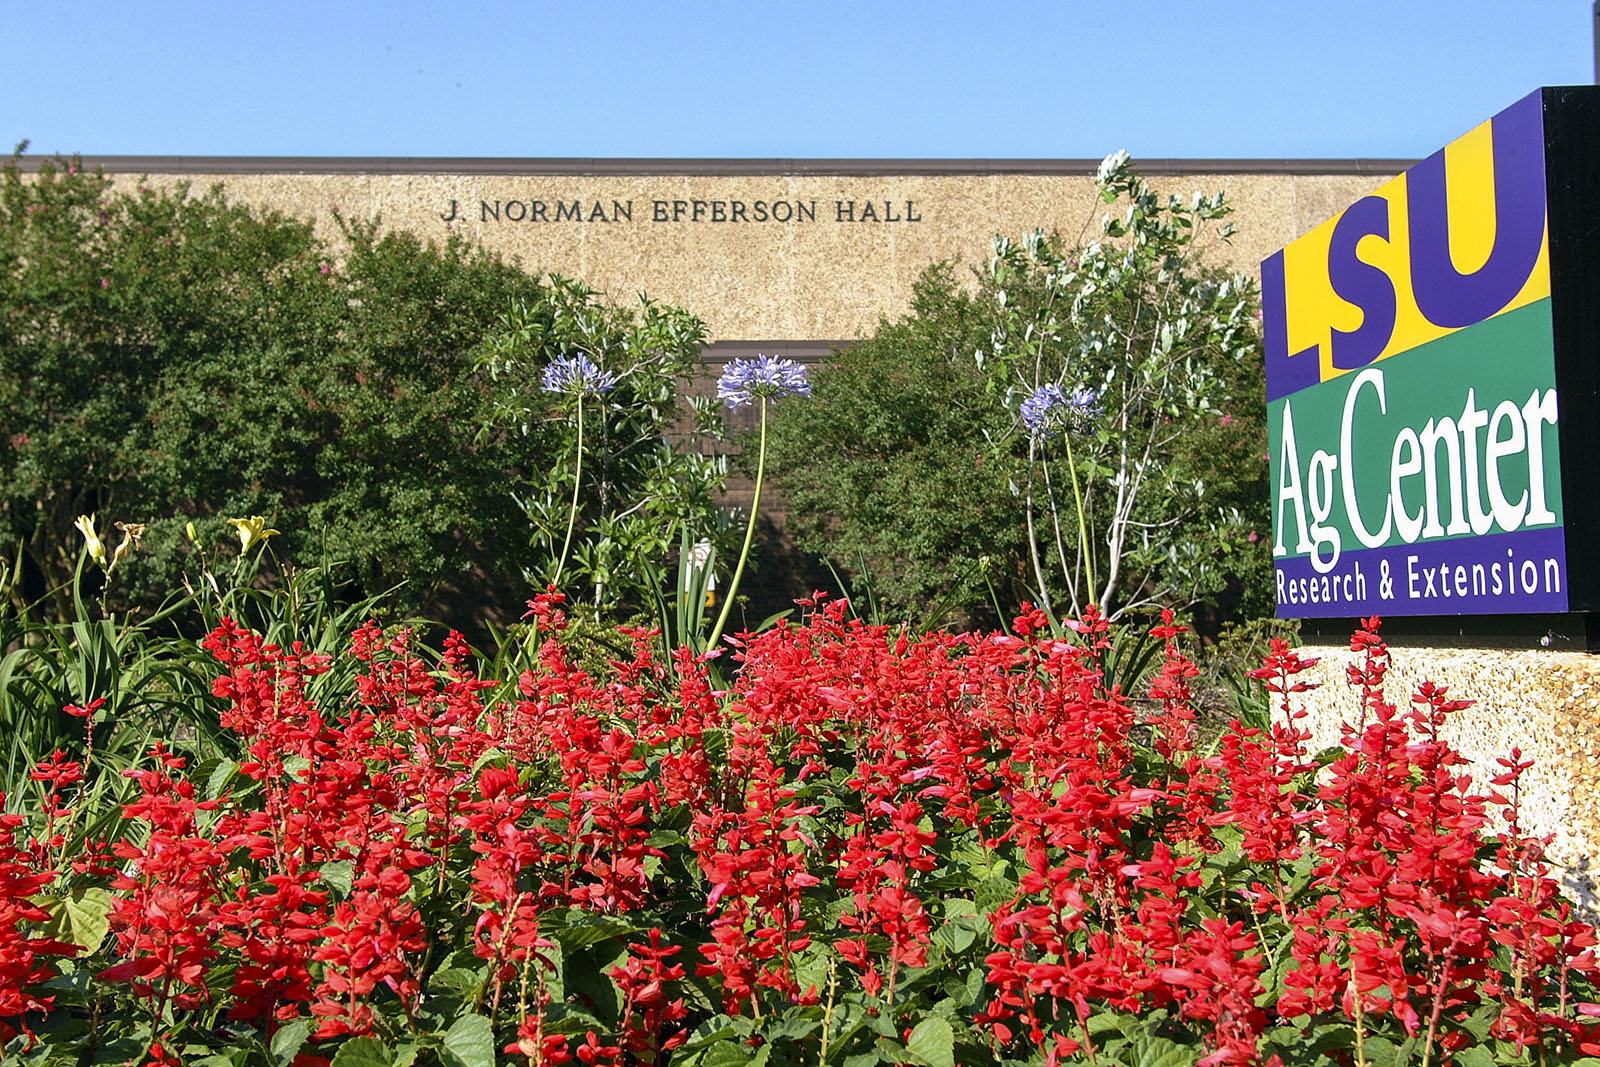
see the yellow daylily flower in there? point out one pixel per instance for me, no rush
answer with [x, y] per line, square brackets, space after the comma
[250, 531]
[95, 546]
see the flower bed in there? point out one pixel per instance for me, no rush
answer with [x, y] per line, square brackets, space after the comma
[876, 847]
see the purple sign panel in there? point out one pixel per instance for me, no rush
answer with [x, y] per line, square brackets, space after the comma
[1467, 576]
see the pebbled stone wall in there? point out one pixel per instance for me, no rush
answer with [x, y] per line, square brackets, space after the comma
[1545, 702]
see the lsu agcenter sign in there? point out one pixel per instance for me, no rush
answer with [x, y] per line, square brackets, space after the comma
[1433, 381]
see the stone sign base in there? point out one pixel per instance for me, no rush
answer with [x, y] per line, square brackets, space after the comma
[1547, 703]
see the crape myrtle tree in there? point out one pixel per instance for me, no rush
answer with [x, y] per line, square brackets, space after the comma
[168, 357]
[1130, 356]
[1087, 427]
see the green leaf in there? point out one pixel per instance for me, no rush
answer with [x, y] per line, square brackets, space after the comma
[459, 980]
[932, 1042]
[220, 776]
[470, 1042]
[958, 906]
[563, 1019]
[790, 1026]
[588, 984]
[1300, 1045]
[1381, 1052]
[89, 916]
[1102, 1021]
[1478, 1056]
[287, 1041]
[728, 1053]
[488, 757]
[583, 929]
[123, 1049]
[1162, 1052]
[891, 1051]
[1479, 1022]
[340, 876]
[236, 1058]
[993, 892]
[711, 1032]
[975, 984]
[362, 1052]
[957, 934]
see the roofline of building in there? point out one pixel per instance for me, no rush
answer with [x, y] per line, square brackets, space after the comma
[618, 167]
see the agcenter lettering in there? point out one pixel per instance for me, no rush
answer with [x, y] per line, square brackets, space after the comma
[1458, 459]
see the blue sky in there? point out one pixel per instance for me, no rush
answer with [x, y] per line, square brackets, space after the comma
[1262, 79]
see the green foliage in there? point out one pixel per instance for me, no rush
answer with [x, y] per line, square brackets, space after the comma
[684, 595]
[134, 685]
[1167, 472]
[889, 469]
[105, 299]
[143, 680]
[643, 478]
[167, 356]
[1225, 685]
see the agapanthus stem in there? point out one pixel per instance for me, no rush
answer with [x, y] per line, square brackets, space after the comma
[572, 512]
[1033, 537]
[1083, 522]
[749, 535]
[1070, 571]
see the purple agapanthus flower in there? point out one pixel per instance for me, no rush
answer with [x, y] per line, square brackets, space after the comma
[765, 376]
[1048, 407]
[577, 375]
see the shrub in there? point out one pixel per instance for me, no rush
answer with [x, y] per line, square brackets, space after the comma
[1128, 356]
[632, 478]
[167, 356]
[890, 468]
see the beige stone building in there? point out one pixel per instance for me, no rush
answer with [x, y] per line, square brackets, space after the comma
[796, 251]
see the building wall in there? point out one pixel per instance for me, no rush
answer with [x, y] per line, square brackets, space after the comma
[761, 249]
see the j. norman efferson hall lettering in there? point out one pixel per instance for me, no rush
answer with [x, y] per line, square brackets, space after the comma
[1413, 406]
[691, 211]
